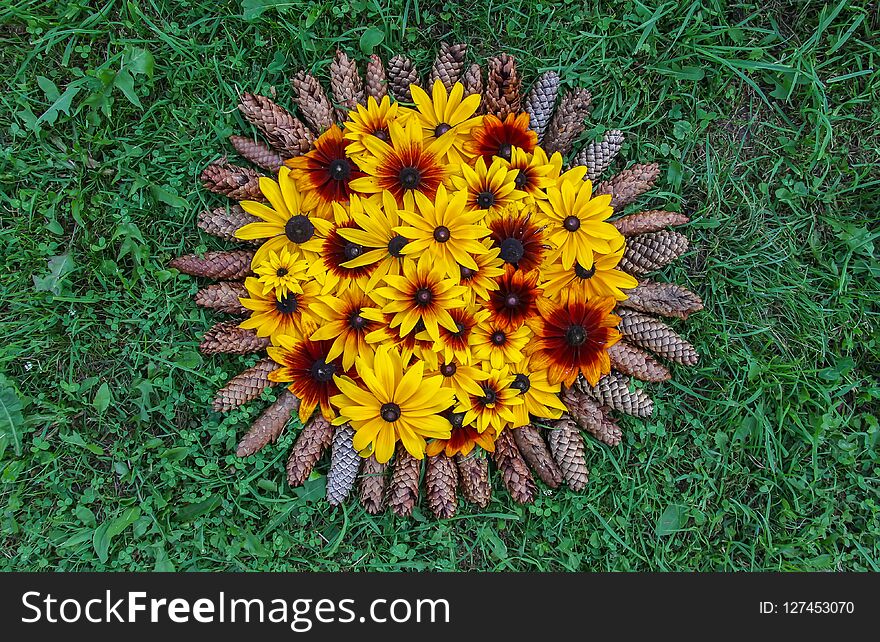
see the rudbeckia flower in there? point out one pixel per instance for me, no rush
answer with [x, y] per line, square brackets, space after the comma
[497, 138]
[282, 271]
[492, 409]
[448, 115]
[309, 370]
[371, 120]
[540, 397]
[273, 316]
[346, 320]
[580, 283]
[489, 189]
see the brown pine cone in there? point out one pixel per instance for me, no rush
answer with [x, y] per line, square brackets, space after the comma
[472, 80]
[245, 386]
[473, 478]
[312, 101]
[568, 122]
[514, 471]
[567, 447]
[598, 156]
[531, 444]
[404, 490]
[637, 363]
[372, 485]
[376, 80]
[227, 338]
[223, 297]
[589, 416]
[314, 438]
[648, 221]
[284, 131]
[613, 390]
[401, 74]
[346, 85]
[258, 153]
[629, 184]
[652, 334]
[502, 95]
[215, 265]
[344, 465]
[239, 183]
[269, 424]
[666, 299]
[448, 65]
[223, 223]
[652, 251]
[540, 102]
[441, 482]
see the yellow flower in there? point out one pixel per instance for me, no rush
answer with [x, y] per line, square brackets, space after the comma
[283, 272]
[534, 172]
[492, 409]
[392, 402]
[491, 188]
[274, 317]
[500, 346]
[456, 344]
[346, 320]
[540, 397]
[372, 120]
[443, 115]
[310, 373]
[481, 281]
[580, 283]
[443, 231]
[462, 378]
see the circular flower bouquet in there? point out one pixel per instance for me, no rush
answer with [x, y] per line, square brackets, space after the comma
[431, 281]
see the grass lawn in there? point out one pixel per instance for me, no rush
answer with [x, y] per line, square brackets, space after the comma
[764, 117]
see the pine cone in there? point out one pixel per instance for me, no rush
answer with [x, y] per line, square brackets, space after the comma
[652, 251]
[346, 85]
[629, 184]
[568, 121]
[514, 471]
[223, 297]
[472, 80]
[269, 424]
[473, 477]
[441, 482]
[503, 86]
[589, 416]
[667, 299]
[540, 102]
[312, 101]
[245, 386]
[530, 443]
[372, 485]
[376, 80]
[223, 223]
[284, 131]
[401, 74]
[239, 183]
[654, 335]
[344, 465]
[215, 265]
[567, 447]
[613, 391]
[599, 156]
[448, 65]
[637, 363]
[404, 491]
[315, 436]
[259, 154]
[227, 338]
[648, 221]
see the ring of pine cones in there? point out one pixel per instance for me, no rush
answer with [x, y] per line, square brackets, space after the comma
[552, 452]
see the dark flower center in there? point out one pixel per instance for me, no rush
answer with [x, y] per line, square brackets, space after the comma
[512, 300]
[583, 273]
[466, 273]
[410, 177]
[356, 321]
[505, 150]
[489, 396]
[340, 169]
[281, 272]
[352, 251]
[299, 229]
[287, 304]
[571, 223]
[448, 369]
[390, 412]
[322, 371]
[456, 419]
[485, 200]
[441, 234]
[396, 245]
[576, 335]
[521, 180]
[521, 382]
[441, 129]
[512, 250]
[498, 338]
[459, 329]
[423, 297]
[381, 134]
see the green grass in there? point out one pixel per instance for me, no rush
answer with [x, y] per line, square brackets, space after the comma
[764, 117]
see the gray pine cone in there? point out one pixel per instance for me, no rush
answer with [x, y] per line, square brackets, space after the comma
[540, 102]
[344, 465]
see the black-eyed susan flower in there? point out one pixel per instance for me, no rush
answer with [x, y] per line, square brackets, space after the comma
[332, 268]
[495, 137]
[515, 298]
[540, 397]
[456, 344]
[272, 316]
[449, 115]
[306, 366]
[499, 346]
[534, 172]
[490, 189]
[393, 402]
[574, 338]
[462, 378]
[462, 440]
[346, 321]
[282, 271]
[580, 283]
[519, 239]
[371, 120]
[492, 409]
[481, 281]
[577, 226]
[442, 230]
